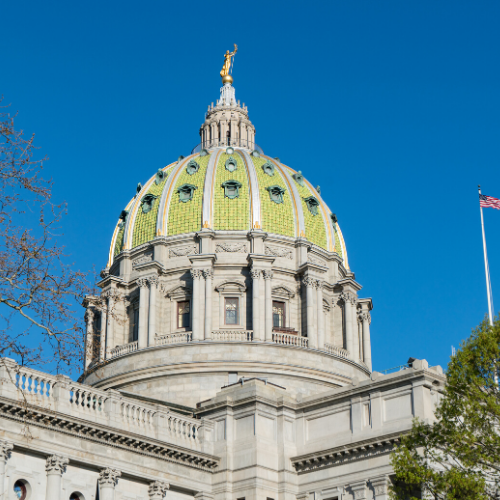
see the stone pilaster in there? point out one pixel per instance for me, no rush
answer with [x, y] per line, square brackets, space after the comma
[153, 289]
[208, 274]
[347, 298]
[89, 337]
[107, 482]
[256, 273]
[55, 467]
[381, 487]
[103, 333]
[143, 313]
[312, 337]
[268, 275]
[5, 449]
[196, 275]
[359, 490]
[110, 303]
[367, 349]
[157, 490]
[321, 316]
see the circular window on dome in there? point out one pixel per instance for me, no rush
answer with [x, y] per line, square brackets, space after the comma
[76, 496]
[230, 151]
[22, 489]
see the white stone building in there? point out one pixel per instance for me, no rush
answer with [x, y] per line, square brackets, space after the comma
[228, 355]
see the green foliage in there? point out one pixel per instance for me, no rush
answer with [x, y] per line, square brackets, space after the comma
[458, 455]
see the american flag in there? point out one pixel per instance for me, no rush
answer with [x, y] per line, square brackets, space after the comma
[489, 202]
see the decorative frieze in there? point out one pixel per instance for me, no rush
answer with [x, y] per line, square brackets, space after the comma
[143, 259]
[316, 260]
[182, 251]
[231, 248]
[286, 253]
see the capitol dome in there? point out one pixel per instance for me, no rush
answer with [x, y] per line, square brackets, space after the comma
[226, 265]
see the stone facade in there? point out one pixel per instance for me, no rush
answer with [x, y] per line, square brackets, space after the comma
[221, 364]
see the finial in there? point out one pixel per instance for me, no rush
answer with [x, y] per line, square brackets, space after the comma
[228, 66]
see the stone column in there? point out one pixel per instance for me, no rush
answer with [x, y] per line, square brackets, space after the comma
[355, 332]
[103, 333]
[312, 339]
[157, 490]
[321, 316]
[255, 303]
[367, 348]
[89, 337]
[349, 327]
[5, 449]
[208, 274]
[110, 324]
[196, 275]
[381, 488]
[54, 466]
[107, 481]
[268, 274]
[153, 287]
[143, 313]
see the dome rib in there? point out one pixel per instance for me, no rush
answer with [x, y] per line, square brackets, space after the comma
[255, 204]
[208, 191]
[116, 232]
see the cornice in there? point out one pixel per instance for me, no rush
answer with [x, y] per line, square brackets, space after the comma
[340, 455]
[135, 443]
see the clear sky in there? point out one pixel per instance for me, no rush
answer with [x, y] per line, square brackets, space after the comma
[392, 107]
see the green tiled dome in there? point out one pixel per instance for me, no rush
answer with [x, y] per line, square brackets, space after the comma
[227, 190]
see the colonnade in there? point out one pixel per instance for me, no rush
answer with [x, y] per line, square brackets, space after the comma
[55, 467]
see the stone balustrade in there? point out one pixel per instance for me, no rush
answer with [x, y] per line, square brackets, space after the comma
[119, 350]
[105, 407]
[233, 335]
[174, 338]
[338, 351]
[292, 340]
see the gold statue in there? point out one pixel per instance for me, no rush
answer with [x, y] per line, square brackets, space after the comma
[224, 72]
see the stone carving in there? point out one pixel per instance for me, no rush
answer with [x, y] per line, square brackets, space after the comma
[287, 253]
[316, 260]
[152, 280]
[146, 257]
[268, 274]
[109, 477]
[208, 274]
[365, 316]
[5, 449]
[348, 297]
[56, 464]
[157, 490]
[307, 281]
[142, 282]
[255, 273]
[196, 274]
[183, 251]
[231, 248]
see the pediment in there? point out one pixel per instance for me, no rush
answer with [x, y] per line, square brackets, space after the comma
[231, 285]
[283, 291]
[178, 291]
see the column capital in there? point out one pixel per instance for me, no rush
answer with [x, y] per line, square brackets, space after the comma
[208, 273]
[89, 315]
[108, 477]
[153, 281]
[359, 490]
[5, 449]
[142, 282]
[348, 297]
[196, 274]
[380, 485]
[365, 316]
[268, 274]
[158, 489]
[308, 282]
[255, 273]
[56, 464]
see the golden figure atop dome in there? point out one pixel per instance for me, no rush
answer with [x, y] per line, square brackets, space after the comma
[224, 72]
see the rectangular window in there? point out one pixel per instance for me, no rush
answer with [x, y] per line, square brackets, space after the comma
[232, 312]
[278, 314]
[183, 314]
[96, 345]
[135, 325]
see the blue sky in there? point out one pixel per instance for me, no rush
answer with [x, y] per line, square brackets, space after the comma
[392, 107]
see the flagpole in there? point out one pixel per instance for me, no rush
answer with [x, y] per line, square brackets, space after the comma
[486, 266]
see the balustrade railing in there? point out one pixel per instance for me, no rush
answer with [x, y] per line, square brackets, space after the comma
[294, 340]
[120, 350]
[174, 338]
[60, 394]
[338, 351]
[233, 335]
